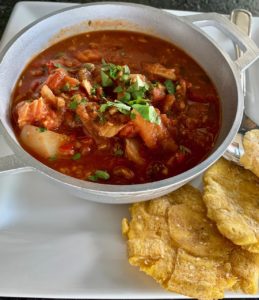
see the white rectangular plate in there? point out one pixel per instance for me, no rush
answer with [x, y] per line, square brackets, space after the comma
[53, 244]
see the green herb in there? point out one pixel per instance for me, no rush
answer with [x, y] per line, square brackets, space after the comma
[139, 101]
[155, 83]
[53, 158]
[170, 86]
[118, 152]
[124, 77]
[122, 107]
[118, 89]
[74, 88]
[113, 71]
[102, 119]
[73, 105]
[148, 113]
[184, 149]
[125, 98]
[76, 100]
[83, 100]
[90, 67]
[133, 116]
[126, 69]
[42, 129]
[138, 88]
[57, 65]
[76, 97]
[77, 118]
[99, 174]
[106, 80]
[76, 156]
[66, 87]
[60, 54]
[93, 89]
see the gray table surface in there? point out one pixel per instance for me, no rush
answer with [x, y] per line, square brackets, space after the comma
[221, 6]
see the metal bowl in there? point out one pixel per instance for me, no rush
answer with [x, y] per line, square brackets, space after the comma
[185, 32]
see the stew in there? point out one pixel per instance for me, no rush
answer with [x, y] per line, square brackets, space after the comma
[116, 107]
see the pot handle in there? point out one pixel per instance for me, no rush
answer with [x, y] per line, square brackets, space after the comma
[11, 164]
[246, 44]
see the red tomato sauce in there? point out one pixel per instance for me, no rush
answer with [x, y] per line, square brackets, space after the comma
[126, 107]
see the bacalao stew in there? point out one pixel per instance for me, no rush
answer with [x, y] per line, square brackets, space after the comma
[116, 107]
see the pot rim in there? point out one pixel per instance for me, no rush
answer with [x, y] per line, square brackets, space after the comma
[98, 188]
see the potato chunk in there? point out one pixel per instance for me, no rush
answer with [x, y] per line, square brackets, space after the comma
[44, 143]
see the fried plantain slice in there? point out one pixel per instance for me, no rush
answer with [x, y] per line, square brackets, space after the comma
[250, 159]
[172, 240]
[231, 195]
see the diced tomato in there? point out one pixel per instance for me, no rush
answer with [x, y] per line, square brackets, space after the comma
[67, 149]
[180, 157]
[199, 95]
[50, 66]
[55, 79]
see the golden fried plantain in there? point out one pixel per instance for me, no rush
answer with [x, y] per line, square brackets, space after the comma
[250, 159]
[231, 195]
[172, 240]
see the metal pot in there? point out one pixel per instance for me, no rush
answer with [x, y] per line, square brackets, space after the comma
[184, 32]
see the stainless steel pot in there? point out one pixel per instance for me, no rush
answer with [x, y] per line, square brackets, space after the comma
[184, 32]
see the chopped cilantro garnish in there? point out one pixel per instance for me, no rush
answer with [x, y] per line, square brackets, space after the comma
[66, 87]
[170, 86]
[184, 149]
[93, 89]
[42, 129]
[139, 101]
[76, 156]
[102, 119]
[74, 88]
[134, 93]
[76, 100]
[90, 67]
[112, 69]
[110, 72]
[118, 89]
[124, 77]
[106, 80]
[148, 113]
[125, 98]
[73, 105]
[133, 116]
[57, 65]
[122, 107]
[60, 54]
[126, 69]
[77, 118]
[83, 100]
[138, 88]
[99, 174]
[53, 158]
[118, 152]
